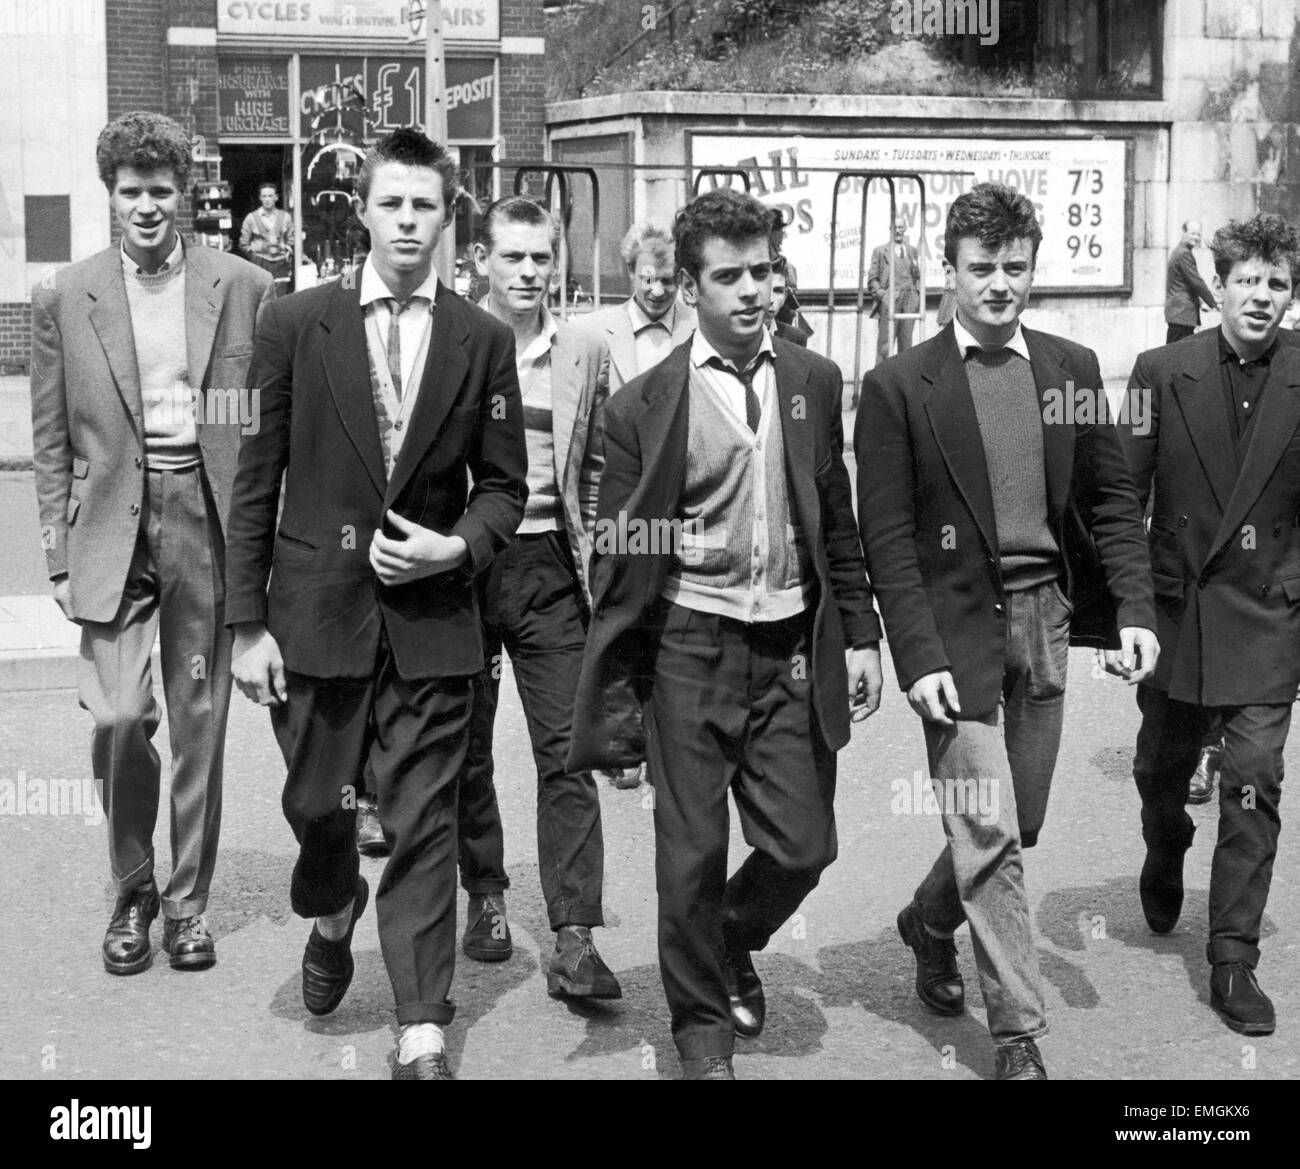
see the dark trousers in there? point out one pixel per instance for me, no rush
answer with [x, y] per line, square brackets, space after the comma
[902, 331]
[174, 594]
[1178, 332]
[532, 606]
[412, 736]
[731, 710]
[1250, 789]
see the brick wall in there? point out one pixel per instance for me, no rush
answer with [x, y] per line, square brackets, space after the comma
[15, 337]
[523, 84]
[137, 32]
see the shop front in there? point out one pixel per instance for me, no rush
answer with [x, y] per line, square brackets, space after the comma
[298, 103]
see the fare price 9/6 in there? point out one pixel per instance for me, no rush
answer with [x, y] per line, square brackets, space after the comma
[1085, 214]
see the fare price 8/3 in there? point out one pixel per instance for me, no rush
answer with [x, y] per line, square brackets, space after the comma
[1085, 212]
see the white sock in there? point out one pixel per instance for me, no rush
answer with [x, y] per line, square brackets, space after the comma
[334, 928]
[419, 1039]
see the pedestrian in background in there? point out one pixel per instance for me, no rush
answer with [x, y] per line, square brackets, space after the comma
[1185, 291]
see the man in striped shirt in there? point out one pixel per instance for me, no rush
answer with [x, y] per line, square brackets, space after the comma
[534, 604]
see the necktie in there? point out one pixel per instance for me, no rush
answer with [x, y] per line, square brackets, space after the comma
[753, 409]
[395, 343]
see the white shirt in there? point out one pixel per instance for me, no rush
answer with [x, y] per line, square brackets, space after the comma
[174, 257]
[727, 385]
[412, 326]
[966, 340]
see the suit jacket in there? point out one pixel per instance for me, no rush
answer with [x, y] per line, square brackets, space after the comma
[790, 333]
[646, 433]
[579, 387]
[1225, 548]
[614, 326]
[88, 443]
[925, 508]
[1184, 288]
[325, 606]
[907, 298]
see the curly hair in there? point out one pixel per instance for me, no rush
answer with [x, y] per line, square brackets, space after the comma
[518, 209]
[995, 215]
[411, 148]
[145, 141]
[721, 214]
[645, 237]
[1268, 237]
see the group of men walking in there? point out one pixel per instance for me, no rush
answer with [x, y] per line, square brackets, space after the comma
[422, 485]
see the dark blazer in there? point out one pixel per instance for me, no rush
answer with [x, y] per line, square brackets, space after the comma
[325, 606]
[646, 432]
[1225, 548]
[88, 416]
[1184, 288]
[925, 508]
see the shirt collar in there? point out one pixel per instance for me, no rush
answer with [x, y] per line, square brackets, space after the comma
[373, 287]
[541, 344]
[1228, 354]
[966, 341]
[640, 320]
[174, 257]
[702, 353]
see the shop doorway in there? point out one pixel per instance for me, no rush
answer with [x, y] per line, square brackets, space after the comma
[247, 167]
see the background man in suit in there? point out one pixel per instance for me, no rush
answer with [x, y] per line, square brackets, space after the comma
[1221, 452]
[780, 287]
[904, 297]
[969, 494]
[533, 602]
[382, 394]
[729, 654]
[139, 363]
[639, 334]
[645, 328]
[1185, 291]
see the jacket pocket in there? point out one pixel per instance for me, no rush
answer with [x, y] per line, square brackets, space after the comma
[1169, 587]
[296, 542]
[1291, 588]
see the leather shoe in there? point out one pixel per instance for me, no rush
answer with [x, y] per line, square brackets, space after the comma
[126, 944]
[1201, 788]
[327, 966]
[487, 933]
[371, 840]
[744, 994]
[1161, 884]
[423, 1067]
[1020, 1061]
[576, 970]
[623, 777]
[1236, 995]
[188, 942]
[715, 1067]
[939, 983]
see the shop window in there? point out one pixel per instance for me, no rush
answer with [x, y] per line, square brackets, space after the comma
[1076, 48]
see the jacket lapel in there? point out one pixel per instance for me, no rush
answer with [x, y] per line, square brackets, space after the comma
[622, 345]
[951, 411]
[1198, 392]
[566, 389]
[1271, 432]
[347, 373]
[663, 429]
[110, 317]
[797, 438]
[445, 368]
[1058, 438]
[202, 314]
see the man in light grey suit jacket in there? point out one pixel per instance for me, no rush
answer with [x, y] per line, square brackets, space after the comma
[534, 601]
[139, 366]
[644, 329]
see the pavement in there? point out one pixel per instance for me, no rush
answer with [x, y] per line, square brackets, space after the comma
[1123, 1004]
